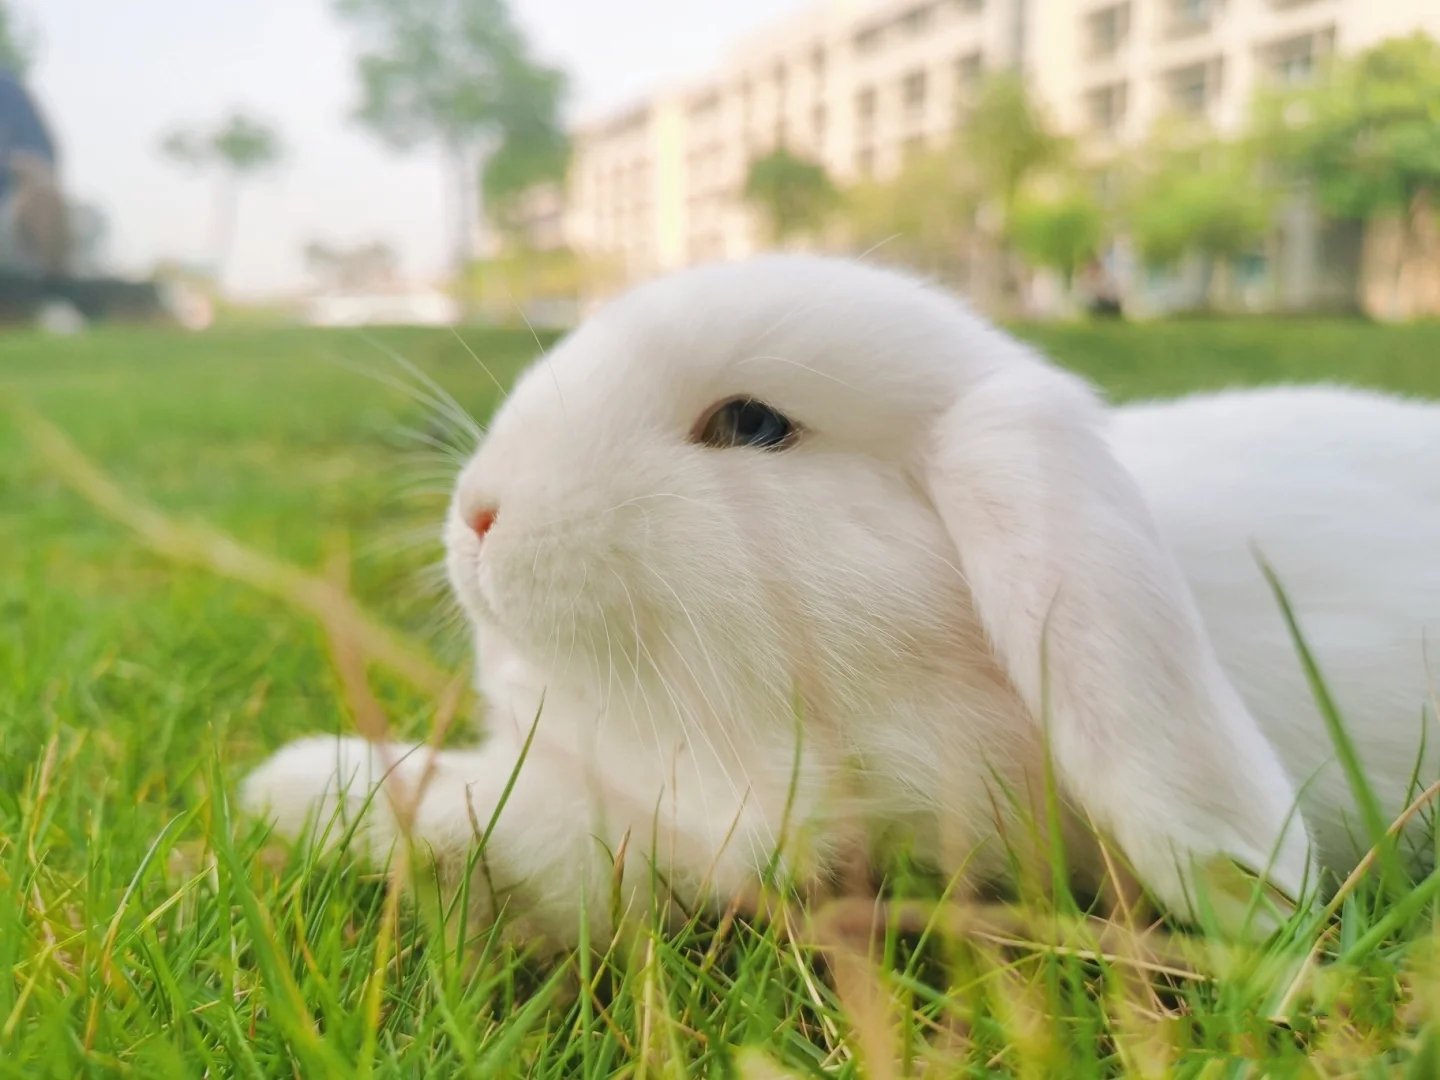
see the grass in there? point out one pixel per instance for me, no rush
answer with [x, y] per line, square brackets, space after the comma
[147, 931]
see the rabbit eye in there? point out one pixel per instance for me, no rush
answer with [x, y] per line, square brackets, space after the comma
[747, 422]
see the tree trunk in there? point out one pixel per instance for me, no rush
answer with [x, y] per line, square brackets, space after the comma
[1399, 300]
[1223, 291]
[463, 236]
[1207, 282]
[991, 283]
[1401, 262]
[226, 212]
[1421, 256]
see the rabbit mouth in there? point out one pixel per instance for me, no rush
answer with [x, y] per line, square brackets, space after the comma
[464, 567]
[465, 584]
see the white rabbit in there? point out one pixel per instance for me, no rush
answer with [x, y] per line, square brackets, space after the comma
[792, 555]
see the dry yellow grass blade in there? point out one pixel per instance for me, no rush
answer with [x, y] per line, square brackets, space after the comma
[195, 544]
[847, 932]
[752, 1063]
[1284, 1012]
[1152, 952]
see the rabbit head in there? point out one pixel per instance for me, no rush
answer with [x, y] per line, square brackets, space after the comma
[803, 476]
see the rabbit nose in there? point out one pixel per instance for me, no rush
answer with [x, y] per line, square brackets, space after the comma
[482, 519]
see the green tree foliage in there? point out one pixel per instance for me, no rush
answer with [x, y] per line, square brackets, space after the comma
[518, 283]
[245, 145]
[1009, 141]
[1368, 136]
[524, 160]
[948, 211]
[460, 74]
[236, 149]
[15, 46]
[925, 216]
[1061, 231]
[240, 145]
[1208, 213]
[1010, 144]
[1366, 140]
[1194, 196]
[794, 195]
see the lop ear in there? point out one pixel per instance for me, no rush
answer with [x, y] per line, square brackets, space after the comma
[1090, 617]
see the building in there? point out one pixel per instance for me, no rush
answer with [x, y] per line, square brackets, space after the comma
[859, 84]
[1109, 69]
[851, 85]
[541, 214]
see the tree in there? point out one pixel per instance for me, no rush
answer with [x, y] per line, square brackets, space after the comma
[924, 216]
[1194, 195]
[1061, 231]
[15, 43]
[459, 73]
[1366, 140]
[1009, 140]
[89, 229]
[525, 161]
[522, 284]
[236, 149]
[792, 194]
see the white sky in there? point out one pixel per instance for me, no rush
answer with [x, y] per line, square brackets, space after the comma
[114, 75]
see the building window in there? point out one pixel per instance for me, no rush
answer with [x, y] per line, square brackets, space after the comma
[1296, 67]
[868, 40]
[817, 64]
[865, 108]
[704, 107]
[1106, 107]
[969, 70]
[912, 147]
[817, 125]
[1294, 61]
[865, 161]
[912, 93]
[970, 7]
[1193, 89]
[1191, 16]
[1108, 30]
[917, 19]
[1251, 269]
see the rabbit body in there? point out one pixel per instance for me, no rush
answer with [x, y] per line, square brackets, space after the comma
[723, 662]
[1338, 490]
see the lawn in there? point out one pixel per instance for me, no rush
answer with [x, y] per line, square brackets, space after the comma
[150, 932]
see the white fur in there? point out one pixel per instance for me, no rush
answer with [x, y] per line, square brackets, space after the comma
[741, 659]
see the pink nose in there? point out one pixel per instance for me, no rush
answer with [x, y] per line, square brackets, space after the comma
[482, 520]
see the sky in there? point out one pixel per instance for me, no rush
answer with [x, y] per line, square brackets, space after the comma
[113, 76]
